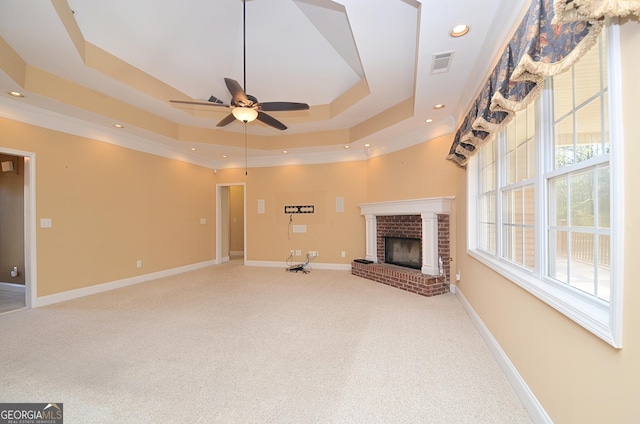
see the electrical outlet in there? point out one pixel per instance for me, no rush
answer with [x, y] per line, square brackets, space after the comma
[343, 254]
[291, 252]
[139, 264]
[298, 252]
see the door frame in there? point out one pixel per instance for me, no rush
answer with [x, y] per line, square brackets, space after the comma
[29, 198]
[219, 222]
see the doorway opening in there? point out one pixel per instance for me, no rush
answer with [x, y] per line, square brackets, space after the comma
[17, 230]
[231, 222]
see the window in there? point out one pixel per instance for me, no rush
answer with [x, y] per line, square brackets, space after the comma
[542, 206]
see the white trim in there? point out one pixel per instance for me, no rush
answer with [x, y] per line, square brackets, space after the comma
[293, 158]
[371, 248]
[236, 252]
[31, 262]
[438, 205]
[112, 285]
[616, 166]
[312, 265]
[430, 258]
[528, 398]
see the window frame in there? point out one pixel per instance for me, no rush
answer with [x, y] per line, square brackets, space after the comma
[599, 317]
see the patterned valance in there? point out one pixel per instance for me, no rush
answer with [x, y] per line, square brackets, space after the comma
[587, 10]
[550, 40]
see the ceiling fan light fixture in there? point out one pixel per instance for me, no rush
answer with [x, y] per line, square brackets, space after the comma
[244, 114]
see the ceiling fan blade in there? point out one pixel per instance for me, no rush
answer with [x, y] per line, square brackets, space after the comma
[237, 93]
[282, 106]
[271, 121]
[201, 103]
[226, 120]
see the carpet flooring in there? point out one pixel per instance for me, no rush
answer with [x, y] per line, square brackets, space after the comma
[236, 344]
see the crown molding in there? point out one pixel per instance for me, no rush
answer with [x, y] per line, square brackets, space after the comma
[33, 115]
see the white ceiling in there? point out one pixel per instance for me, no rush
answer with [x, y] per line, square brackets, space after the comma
[310, 51]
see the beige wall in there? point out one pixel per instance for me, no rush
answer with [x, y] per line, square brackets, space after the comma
[416, 172]
[110, 207]
[577, 377]
[269, 236]
[12, 221]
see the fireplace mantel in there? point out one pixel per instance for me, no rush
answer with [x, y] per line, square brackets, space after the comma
[428, 209]
[409, 207]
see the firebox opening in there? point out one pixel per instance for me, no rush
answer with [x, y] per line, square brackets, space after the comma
[403, 251]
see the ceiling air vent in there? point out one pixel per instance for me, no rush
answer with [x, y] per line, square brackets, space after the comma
[441, 62]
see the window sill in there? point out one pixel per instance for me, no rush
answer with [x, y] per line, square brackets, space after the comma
[590, 314]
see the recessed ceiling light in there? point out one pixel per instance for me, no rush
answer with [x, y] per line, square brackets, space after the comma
[225, 156]
[367, 145]
[428, 121]
[347, 147]
[459, 30]
[119, 126]
[193, 149]
[439, 106]
[285, 151]
[16, 94]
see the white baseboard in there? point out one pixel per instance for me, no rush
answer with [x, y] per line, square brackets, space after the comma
[529, 400]
[236, 253]
[99, 288]
[313, 265]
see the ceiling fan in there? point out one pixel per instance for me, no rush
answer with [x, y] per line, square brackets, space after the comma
[245, 107]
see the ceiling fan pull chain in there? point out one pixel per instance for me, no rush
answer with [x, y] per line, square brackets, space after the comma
[246, 172]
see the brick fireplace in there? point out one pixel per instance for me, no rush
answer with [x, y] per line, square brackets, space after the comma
[423, 219]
